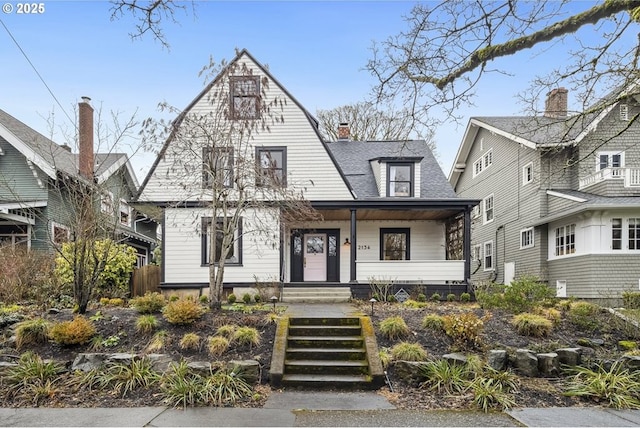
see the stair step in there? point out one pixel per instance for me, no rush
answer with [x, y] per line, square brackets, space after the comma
[326, 367]
[326, 381]
[324, 330]
[325, 341]
[324, 321]
[325, 354]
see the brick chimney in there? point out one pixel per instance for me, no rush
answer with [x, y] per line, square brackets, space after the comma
[85, 138]
[344, 132]
[556, 104]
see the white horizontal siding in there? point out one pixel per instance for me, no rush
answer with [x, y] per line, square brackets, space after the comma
[183, 248]
[309, 167]
[426, 271]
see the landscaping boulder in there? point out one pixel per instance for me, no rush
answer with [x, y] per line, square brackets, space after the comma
[497, 359]
[121, 358]
[88, 361]
[548, 365]
[455, 358]
[631, 362]
[409, 371]
[571, 357]
[203, 368]
[249, 370]
[527, 362]
[160, 362]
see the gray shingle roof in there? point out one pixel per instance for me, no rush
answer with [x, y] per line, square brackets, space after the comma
[353, 159]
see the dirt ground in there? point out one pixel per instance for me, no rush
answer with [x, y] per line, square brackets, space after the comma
[116, 327]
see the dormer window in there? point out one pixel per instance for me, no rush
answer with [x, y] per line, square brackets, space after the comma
[245, 97]
[400, 179]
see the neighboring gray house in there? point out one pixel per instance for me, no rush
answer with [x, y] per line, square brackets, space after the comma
[33, 169]
[560, 197]
[388, 211]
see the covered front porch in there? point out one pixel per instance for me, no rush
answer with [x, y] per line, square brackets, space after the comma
[423, 243]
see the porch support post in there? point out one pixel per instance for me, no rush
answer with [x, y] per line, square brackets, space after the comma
[467, 246]
[352, 268]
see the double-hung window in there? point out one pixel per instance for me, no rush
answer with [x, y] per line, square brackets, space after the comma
[217, 167]
[612, 160]
[483, 163]
[400, 178]
[234, 254]
[487, 209]
[488, 255]
[527, 173]
[565, 240]
[634, 233]
[245, 97]
[394, 244]
[526, 238]
[271, 166]
[616, 233]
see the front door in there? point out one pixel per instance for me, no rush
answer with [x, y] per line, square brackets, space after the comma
[315, 257]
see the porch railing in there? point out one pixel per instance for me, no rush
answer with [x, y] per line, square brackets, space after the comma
[631, 177]
[426, 271]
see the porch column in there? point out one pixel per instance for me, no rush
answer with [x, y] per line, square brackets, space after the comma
[467, 246]
[352, 238]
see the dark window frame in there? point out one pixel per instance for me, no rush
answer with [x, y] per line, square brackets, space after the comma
[395, 230]
[233, 95]
[411, 181]
[207, 163]
[204, 243]
[260, 177]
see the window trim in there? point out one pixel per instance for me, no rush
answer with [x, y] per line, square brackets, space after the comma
[483, 162]
[235, 115]
[259, 150]
[609, 154]
[406, 231]
[484, 209]
[62, 227]
[620, 229]
[624, 112]
[207, 174]
[527, 174]
[412, 179]
[484, 256]
[636, 232]
[204, 256]
[523, 234]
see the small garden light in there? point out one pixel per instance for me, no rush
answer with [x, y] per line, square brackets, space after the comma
[372, 302]
[274, 299]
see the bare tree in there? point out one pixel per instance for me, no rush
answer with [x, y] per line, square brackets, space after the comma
[450, 46]
[368, 122]
[215, 165]
[150, 16]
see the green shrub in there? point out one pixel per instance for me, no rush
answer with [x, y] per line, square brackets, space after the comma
[227, 330]
[126, 377]
[414, 304]
[180, 386]
[583, 315]
[520, 296]
[145, 324]
[406, 351]
[421, 297]
[246, 298]
[149, 303]
[528, 324]
[552, 314]
[190, 341]
[385, 357]
[394, 328]
[617, 387]
[174, 298]
[451, 297]
[79, 331]
[246, 336]
[489, 395]
[159, 340]
[231, 298]
[32, 379]
[225, 388]
[257, 298]
[116, 301]
[217, 345]
[435, 297]
[627, 345]
[204, 299]
[464, 329]
[183, 312]
[31, 332]
[433, 322]
[443, 376]
[465, 297]
[631, 299]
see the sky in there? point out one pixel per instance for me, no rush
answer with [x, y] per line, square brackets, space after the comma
[316, 49]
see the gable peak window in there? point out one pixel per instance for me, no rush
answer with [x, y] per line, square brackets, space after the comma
[217, 162]
[271, 166]
[400, 179]
[484, 162]
[245, 97]
[624, 112]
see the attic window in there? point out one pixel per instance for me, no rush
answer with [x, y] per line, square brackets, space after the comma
[400, 179]
[245, 97]
[624, 112]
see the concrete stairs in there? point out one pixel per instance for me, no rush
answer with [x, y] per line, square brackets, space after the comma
[316, 294]
[326, 353]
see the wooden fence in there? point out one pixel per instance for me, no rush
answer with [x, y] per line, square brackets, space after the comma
[145, 279]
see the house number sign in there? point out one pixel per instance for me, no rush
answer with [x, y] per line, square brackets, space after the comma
[364, 247]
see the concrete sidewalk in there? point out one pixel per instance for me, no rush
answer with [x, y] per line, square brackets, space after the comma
[312, 408]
